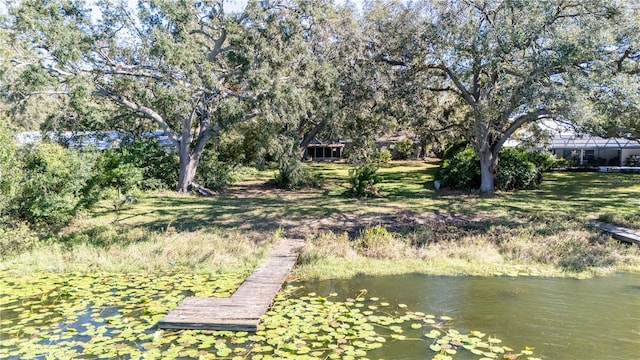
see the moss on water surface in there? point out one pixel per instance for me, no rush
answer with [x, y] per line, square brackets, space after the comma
[110, 315]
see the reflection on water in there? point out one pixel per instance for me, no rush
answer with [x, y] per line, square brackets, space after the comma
[562, 318]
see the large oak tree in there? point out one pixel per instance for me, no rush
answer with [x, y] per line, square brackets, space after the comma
[512, 62]
[182, 65]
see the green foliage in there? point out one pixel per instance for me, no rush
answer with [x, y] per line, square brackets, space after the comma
[382, 156]
[378, 242]
[226, 159]
[215, 174]
[363, 179]
[515, 171]
[461, 171]
[10, 174]
[521, 169]
[293, 174]
[364, 151]
[518, 168]
[158, 165]
[16, 238]
[451, 150]
[543, 160]
[404, 149]
[57, 185]
[113, 170]
[139, 163]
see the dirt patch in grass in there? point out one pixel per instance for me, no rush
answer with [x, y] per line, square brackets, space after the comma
[352, 223]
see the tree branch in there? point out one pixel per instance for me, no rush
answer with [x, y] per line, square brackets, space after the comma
[131, 73]
[217, 46]
[463, 90]
[147, 112]
[517, 124]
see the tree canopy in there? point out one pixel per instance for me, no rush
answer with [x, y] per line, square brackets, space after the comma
[293, 70]
[512, 63]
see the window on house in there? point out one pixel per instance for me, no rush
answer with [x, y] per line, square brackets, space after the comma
[589, 155]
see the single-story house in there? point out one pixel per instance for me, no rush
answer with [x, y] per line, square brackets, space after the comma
[320, 151]
[596, 151]
[81, 139]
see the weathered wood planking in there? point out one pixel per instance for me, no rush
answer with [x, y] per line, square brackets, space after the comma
[243, 310]
[619, 233]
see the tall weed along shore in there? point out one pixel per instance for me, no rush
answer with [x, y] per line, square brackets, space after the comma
[497, 250]
[411, 228]
[486, 249]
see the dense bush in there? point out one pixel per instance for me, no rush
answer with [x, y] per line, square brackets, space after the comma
[544, 160]
[382, 156]
[365, 152]
[10, 174]
[515, 171]
[363, 179]
[158, 165]
[518, 168]
[451, 150]
[57, 184]
[15, 238]
[215, 174]
[113, 170]
[293, 174]
[404, 149]
[228, 158]
[461, 170]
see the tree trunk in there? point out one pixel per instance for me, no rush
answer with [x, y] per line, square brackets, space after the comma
[308, 138]
[187, 173]
[189, 161]
[487, 173]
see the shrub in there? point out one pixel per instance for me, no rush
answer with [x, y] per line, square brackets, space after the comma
[378, 242]
[113, 170]
[382, 156]
[404, 149]
[158, 165]
[543, 160]
[451, 150]
[56, 185]
[363, 179]
[365, 151]
[10, 174]
[16, 238]
[215, 174]
[461, 171]
[293, 174]
[515, 171]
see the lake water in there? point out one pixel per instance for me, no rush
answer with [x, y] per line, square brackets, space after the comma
[561, 318]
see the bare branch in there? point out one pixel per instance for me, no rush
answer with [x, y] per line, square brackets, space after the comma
[217, 47]
[132, 73]
[463, 90]
[517, 124]
[145, 111]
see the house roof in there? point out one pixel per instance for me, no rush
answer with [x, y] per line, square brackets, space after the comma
[575, 141]
[98, 139]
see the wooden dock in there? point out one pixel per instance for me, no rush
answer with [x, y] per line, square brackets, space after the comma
[243, 310]
[619, 233]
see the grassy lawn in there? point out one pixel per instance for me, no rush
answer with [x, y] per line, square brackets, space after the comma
[410, 228]
[406, 187]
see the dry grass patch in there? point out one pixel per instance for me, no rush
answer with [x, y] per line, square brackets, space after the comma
[198, 251]
[472, 246]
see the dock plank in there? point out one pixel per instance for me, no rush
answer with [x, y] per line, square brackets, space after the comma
[243, 310]
[619, 232]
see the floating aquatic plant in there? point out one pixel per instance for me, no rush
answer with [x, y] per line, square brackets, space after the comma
[88, 316]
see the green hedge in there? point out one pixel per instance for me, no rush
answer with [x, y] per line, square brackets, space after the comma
[517, 167]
